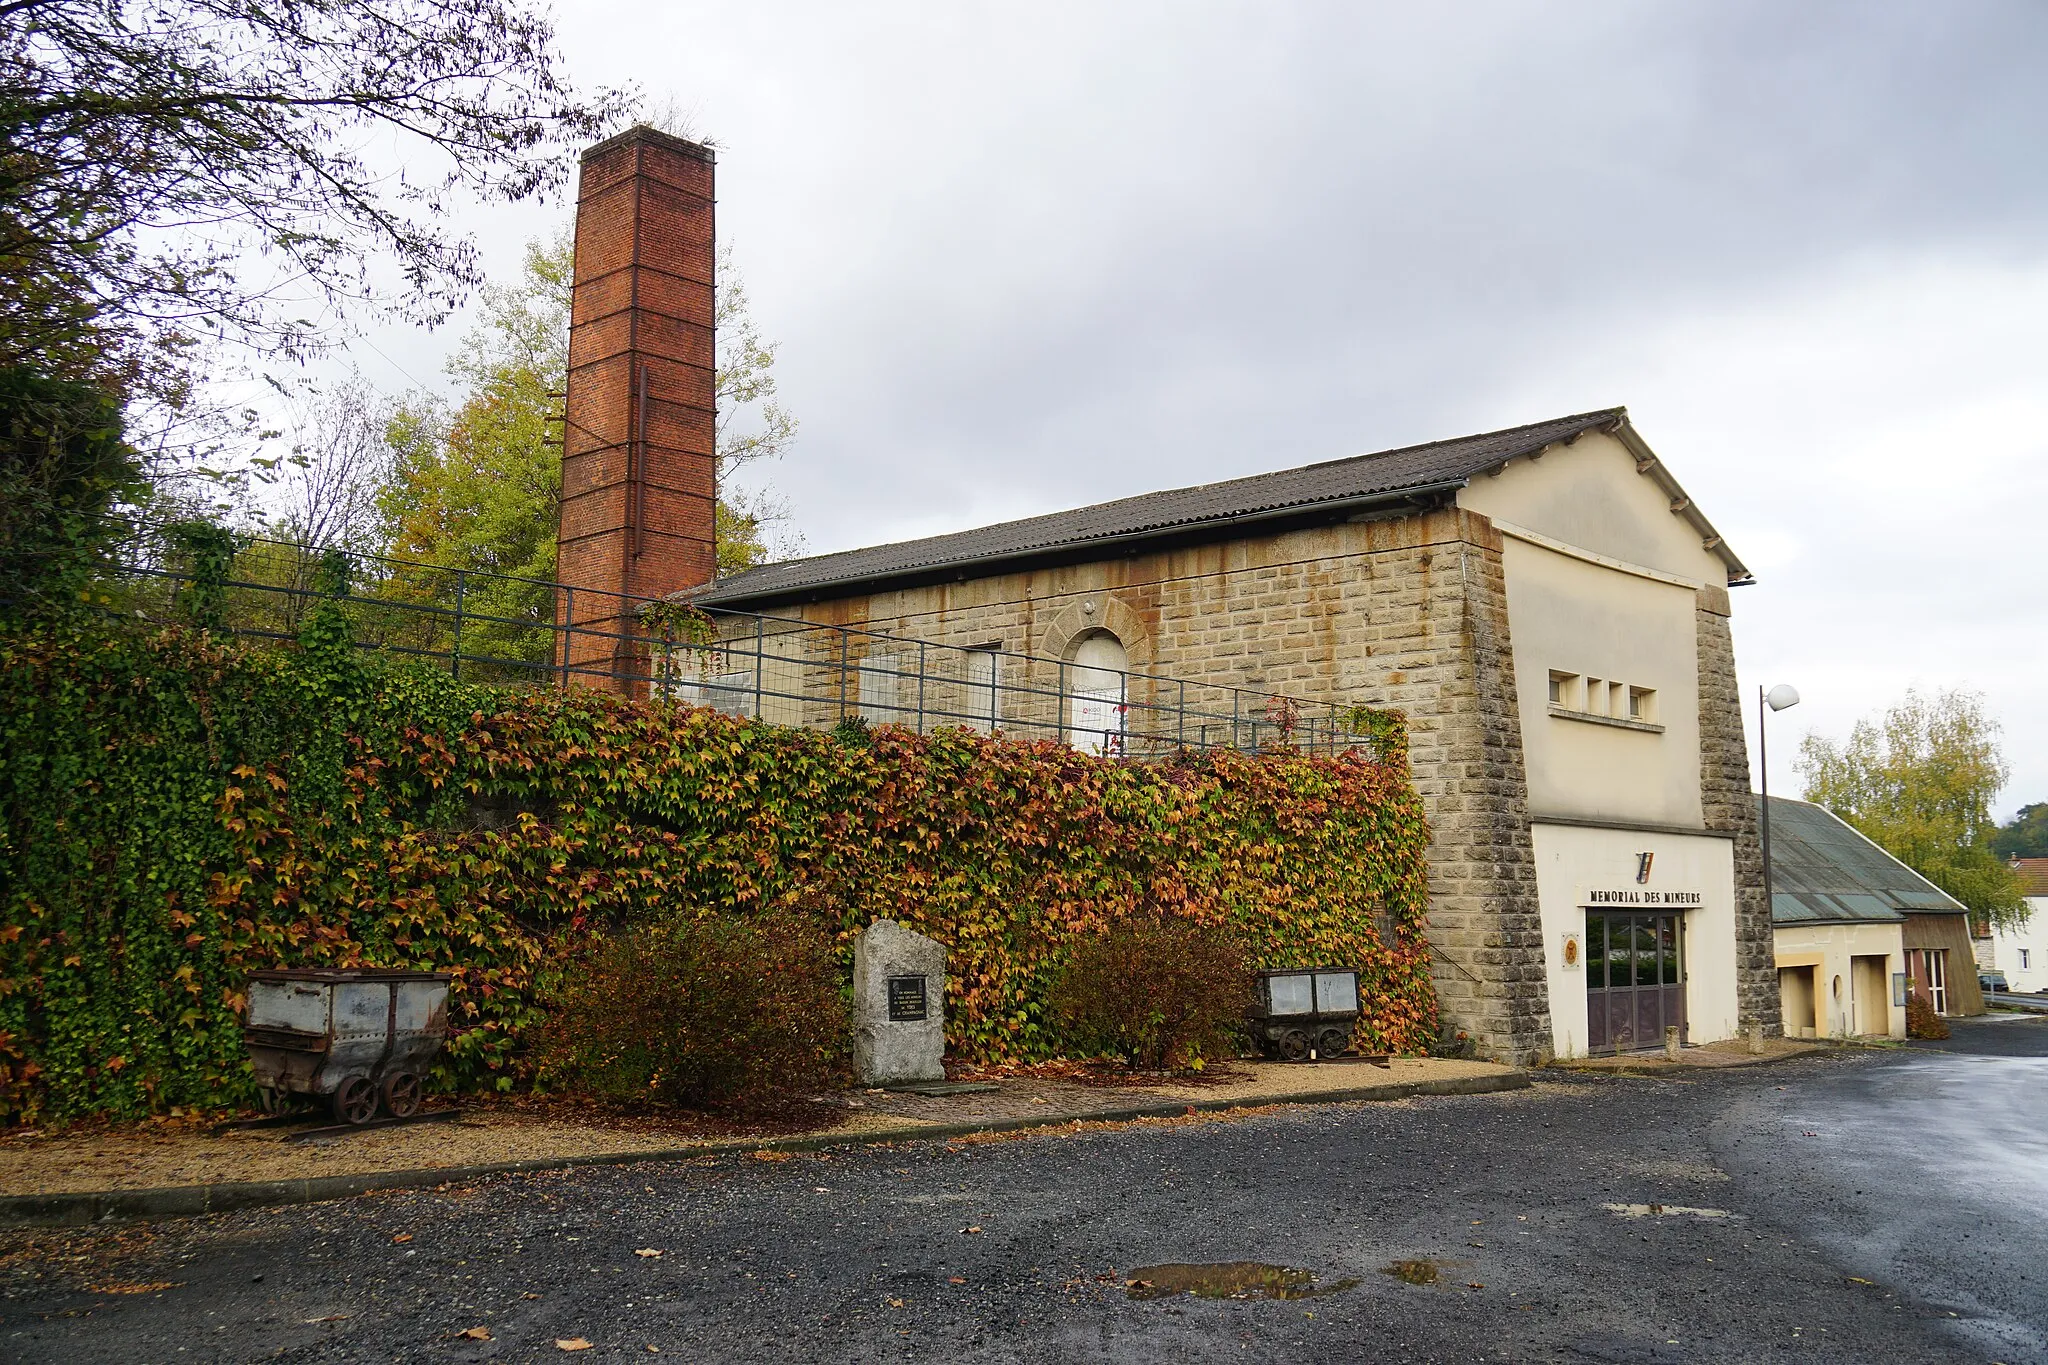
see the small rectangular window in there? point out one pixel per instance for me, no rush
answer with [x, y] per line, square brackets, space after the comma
[1642, 703]
[1564, 689]
[2026, 959]
[881, 681]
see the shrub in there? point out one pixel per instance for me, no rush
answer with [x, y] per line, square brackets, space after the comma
[708, 1012]
[1921, 1020]
[1153, 992]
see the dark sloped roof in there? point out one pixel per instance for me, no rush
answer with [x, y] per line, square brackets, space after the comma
[2033, 875]
[1386, 477]
[1824, 872]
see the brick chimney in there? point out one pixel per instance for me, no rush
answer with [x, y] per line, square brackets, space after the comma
[638, 444]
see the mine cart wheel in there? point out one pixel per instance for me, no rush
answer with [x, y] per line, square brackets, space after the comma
[1294, 1044]
[1333, 1042]
[355, 1100]
[401, 1094]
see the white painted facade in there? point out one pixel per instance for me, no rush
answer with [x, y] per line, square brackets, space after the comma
[1835, 980]
[2021, 952]
[1572, 861]
[1603, 581]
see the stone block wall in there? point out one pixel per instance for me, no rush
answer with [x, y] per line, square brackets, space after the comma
[1729, 806]
[1409, 613]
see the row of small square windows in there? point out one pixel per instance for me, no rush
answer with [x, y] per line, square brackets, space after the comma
[1602, 697]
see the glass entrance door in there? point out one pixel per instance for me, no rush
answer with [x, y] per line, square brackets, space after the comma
[1929, 968]
[1635, 979]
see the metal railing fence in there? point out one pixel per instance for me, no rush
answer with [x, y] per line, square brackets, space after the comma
[492, 627]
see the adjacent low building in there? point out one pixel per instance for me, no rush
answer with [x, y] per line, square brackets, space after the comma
[1856, 930]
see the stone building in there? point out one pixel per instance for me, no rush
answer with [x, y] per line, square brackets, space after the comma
[1545, 604]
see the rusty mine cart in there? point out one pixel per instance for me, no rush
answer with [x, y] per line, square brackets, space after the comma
[359, 1037]
[1304, 1012]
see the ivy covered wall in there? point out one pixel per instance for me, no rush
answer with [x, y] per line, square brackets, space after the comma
[176, 809]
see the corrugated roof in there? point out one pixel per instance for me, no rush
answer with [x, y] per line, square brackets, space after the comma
[2033, 875]
[1385, 477]
[1824, 872]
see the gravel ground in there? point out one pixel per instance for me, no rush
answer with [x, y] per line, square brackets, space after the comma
[1018, 1249]
[143, 1156]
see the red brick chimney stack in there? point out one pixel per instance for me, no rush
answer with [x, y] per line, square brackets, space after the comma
[638, 445]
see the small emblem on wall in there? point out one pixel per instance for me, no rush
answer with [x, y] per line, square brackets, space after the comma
[1643, 861]
[1569, 952]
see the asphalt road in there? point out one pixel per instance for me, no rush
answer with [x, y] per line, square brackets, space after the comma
[1855, 1207]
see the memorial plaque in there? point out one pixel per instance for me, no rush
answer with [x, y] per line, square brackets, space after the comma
[899, 1006]
[907, 1000]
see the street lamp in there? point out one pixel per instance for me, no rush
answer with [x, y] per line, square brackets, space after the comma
[1779, 698]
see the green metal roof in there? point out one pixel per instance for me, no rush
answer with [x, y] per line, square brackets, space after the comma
[1824, 872]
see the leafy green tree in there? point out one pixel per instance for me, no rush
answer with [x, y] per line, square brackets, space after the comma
[478, 486]
[1919, 781]
[2026, 836]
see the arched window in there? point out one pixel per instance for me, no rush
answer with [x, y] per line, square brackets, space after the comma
[1095, 686]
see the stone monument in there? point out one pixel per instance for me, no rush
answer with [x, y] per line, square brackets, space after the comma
[899, 1005]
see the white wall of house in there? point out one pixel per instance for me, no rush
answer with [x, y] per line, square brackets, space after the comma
[1833, 981]
[1573, 861]
[2021, 953]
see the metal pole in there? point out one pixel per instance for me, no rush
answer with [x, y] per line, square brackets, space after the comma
[760, 666]
[842, 672]
[921, 666]
[1763, 754]
[1059, 710]
[568, 631]
[455, 662]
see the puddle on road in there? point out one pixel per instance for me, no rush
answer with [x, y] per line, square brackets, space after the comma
[1228, 1280]
[1420, 1270]
[1665, 1211]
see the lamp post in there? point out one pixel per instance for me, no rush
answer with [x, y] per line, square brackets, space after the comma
[1779, 698]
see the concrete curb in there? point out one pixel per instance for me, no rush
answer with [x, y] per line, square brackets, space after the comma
[1664, 1068]
[185, 1201]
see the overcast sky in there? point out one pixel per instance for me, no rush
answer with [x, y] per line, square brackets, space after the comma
[1025, 257]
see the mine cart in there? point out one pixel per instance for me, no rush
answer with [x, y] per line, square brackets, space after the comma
[1304, 1011]
[360, 1038]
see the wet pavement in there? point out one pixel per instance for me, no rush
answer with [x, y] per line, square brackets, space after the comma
[1850, 1206]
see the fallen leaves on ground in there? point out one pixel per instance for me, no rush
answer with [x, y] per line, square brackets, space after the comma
[971, 1231]
[477, 1333]
[123, 1287]
[401, 1237]
[956, 1279]
[649, 1252]
[571, 1344]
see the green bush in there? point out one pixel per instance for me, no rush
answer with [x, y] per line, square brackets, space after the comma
[699, 1013]
[1921, 1019]
[63, 467]
[1154, 992]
